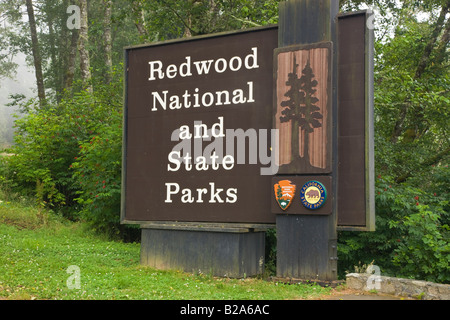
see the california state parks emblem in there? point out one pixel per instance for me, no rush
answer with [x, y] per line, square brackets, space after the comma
[284, 193]
[313, 195]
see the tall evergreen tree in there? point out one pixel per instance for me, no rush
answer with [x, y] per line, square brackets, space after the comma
[301, 108]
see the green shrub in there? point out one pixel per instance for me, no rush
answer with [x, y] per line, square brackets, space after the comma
[60, 151]
[412, 234]
[97, 171]
[424, 252]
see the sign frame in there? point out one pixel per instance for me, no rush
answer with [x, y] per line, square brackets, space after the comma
[346, 220]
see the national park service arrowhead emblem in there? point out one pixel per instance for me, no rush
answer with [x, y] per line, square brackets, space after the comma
[313, 195]
[284, 193]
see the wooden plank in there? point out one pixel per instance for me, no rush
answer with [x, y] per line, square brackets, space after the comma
[224, 254]
[306, 258]
[356, 208]
[303, 242]
[302, 108]
[207, 225]
[305, 22]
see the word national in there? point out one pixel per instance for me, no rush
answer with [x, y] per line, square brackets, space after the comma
[195, 98]
[206, 99]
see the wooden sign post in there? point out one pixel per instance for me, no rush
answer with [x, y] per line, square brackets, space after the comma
[305, 102]
[323, 109]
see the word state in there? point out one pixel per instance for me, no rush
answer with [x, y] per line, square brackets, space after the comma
[212, 194]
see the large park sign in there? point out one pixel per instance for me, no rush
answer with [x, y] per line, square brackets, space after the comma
[198, 129]
[236, 132]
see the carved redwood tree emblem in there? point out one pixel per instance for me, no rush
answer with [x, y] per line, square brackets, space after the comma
[303, 110]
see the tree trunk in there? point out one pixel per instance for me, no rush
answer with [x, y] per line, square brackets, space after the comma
[83, 42]
[108, 40]
[36, 54]
[57, 76]
[424, 61]
[443, 45]
[295, 143]
[187, 28]
[71, 59]
[139, 21]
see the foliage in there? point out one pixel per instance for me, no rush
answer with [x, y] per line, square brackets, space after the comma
[50, 143]
[412, 234]
[423, 140]
[426, 253]
[97, 171]
[169, 19]
[412, 88]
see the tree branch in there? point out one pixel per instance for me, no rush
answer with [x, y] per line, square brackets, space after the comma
[431, 161]
[431, 43]
[192, 31]
[423, 64]
[442, 49]
[254, 24]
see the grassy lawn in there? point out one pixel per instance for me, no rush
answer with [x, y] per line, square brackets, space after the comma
[38, 249]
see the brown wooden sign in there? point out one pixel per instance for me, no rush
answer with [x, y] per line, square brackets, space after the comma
[198, 121]
[303, 108]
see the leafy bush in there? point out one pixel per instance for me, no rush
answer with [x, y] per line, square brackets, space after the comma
[425, 251]
[97, 171]
[44, 147]
[411, 238]
[68, 156]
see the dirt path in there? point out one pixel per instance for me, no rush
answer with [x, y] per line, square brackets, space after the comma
[350, 294]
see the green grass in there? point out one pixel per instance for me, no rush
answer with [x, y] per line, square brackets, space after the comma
[37, 248]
